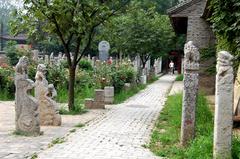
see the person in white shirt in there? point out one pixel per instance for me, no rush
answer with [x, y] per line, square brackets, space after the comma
[171, 66]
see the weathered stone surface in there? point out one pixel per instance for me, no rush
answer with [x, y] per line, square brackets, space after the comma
[45, 93]
[224, 107]
[237, 94]
[99, 95]
[109, 95]
[143, 79]
[27, 115]
[190, 91]
[89, 103]
[103, 49]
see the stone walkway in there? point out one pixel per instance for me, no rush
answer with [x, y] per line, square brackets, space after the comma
[20, 147]
[121, 133]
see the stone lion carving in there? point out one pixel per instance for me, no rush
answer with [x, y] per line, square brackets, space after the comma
[224, 67]
[45, 93]
[27, 115]
[192, 57]
[21, 67]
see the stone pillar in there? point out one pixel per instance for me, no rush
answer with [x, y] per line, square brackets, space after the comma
[109, 95]
[26, 108]
[190, 91]
[223, 120]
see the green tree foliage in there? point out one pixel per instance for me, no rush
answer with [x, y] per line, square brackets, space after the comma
[74, 22]
[140, 32]
[226, 24]
[5, 9]
[12, 53]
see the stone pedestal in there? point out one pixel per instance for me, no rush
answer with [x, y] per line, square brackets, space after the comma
[223, 120]
[143, 79]
[89, 103]
[109, 95]
[26, 108]
[98, 102]
[190, 91]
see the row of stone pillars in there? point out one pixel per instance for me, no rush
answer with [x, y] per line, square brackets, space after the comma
[224, 100]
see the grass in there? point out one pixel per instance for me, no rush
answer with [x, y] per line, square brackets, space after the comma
[21, 133]
[179, 77]
[34, 156]
[80, 95]
[165, 137]
[79, 125]
[56, 141]
[124, 95]
[153, 79]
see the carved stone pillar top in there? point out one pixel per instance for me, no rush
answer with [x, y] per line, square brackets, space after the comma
[191, 57]
[224, 67]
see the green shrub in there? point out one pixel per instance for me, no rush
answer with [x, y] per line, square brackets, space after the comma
[12, 53]
[85, 65]
[7, 86]
[57, 76]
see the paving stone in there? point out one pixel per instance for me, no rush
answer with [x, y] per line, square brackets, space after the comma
[121, 132]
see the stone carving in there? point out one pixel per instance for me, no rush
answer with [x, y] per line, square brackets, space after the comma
[190, 91]
[191, 59]
[27, 115]
[223, 120]
[237, 94]
[45, 93]
[103, 48]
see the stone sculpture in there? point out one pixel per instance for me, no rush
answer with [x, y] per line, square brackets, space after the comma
[45, 93]
[237, 94]
[223, 120]
[27, 115]
[190, 91]
[103, 48]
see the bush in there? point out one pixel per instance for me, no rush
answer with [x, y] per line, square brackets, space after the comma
[7, 86]
[12, 53]
[85, 65]
[57, 76]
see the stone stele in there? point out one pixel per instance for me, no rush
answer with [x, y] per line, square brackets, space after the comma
[223, 119]
[190, 91]
[49, 114]
[237, 93]
[27, 115]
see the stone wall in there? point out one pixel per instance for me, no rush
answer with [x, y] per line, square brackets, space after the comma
[198, 29]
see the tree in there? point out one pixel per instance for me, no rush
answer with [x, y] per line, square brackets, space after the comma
[73, 21]
[141, 32]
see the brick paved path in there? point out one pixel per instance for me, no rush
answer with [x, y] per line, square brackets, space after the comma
[122, 133]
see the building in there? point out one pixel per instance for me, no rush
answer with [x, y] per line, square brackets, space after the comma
[189, 17]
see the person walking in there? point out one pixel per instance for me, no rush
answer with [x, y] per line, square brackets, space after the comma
[171, 66]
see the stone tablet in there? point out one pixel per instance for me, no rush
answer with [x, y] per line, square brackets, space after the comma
[27, 115]
[103, 49]
[237, 93]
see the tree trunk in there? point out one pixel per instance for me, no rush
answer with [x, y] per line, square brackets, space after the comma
[72, 73]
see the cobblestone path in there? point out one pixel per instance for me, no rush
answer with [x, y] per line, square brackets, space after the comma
[122, 133]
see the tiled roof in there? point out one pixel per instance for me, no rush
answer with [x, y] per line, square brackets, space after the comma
[182, 6]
